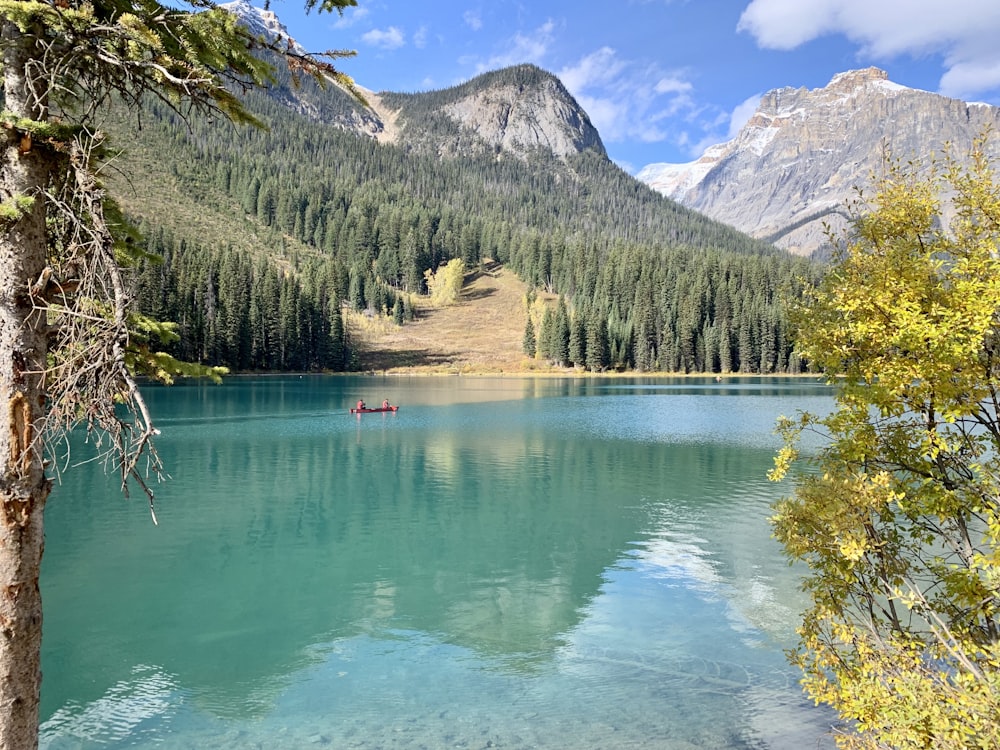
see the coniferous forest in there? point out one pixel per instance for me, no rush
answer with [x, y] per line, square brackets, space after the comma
[312, 218]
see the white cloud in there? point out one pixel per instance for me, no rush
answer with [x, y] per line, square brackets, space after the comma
[599, 68]
[420, 38]
[742, 114]
[530, 47]
[627, 99]
[963, 32]
[966, 80]
[473, 20]
[785, 24]
[390, 38]
[672, 85]
[350, 17]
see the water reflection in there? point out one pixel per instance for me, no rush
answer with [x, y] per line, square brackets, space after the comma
[148, 693]
[576, 551]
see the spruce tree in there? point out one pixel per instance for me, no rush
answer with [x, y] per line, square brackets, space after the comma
[578, 340]
[598, 351]
[528, 342]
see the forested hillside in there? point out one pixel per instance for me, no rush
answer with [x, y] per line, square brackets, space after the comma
[290, 222]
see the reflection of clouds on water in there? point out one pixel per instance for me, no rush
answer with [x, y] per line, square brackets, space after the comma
[380, 606]
[513, 618]
[785, 719]
[119, 713]
[685, 559]
[682, 557]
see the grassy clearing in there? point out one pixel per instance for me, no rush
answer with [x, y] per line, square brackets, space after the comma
[482, 333]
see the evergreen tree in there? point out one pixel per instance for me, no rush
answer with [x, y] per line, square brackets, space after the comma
[598, 352]
[356, 290]
[545, 334]
[528, 342]
[578, 340]
[338, 339]
[559, 335]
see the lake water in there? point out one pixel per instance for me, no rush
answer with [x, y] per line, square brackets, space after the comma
[504, 563]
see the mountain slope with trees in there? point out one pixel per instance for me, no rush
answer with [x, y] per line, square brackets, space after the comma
[353, 224]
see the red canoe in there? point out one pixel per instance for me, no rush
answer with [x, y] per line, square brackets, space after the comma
[369, 411]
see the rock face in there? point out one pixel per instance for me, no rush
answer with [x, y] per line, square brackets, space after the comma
[518, 111]
[261, 22]
[797, 162]
[521, 109]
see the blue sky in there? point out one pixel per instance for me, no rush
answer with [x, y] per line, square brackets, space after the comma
[663, 79]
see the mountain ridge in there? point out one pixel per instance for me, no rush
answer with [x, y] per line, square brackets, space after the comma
[514, 110]
[795, 164]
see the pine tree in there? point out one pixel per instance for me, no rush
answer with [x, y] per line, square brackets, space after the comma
[528, 342]
[578, 340]
[559, 334]
[598, 352]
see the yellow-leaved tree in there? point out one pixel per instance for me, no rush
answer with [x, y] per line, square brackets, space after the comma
[898, 513]
[445, 285]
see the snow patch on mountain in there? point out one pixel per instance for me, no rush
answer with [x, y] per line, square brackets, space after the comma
[263, 23]
[675, 180]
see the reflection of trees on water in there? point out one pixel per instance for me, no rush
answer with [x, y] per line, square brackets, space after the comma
[489, 539]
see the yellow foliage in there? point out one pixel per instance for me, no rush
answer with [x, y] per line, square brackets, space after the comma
[899, 519]
[445, 286]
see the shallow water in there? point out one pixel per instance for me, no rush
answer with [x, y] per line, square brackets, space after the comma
[505, 562]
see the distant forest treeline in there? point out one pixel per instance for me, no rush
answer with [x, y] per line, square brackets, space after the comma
[243, 312]
[671, 289]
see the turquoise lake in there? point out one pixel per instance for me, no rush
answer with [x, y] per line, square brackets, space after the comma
[504, 563]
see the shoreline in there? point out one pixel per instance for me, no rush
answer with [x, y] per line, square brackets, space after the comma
[580, 374]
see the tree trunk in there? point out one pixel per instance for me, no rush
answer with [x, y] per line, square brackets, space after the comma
[24, 172]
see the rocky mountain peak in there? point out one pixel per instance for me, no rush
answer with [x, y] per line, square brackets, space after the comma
[795, 164]
[263, 23]
[523, 108]
[855, 79]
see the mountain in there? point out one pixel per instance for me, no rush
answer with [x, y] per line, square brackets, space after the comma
[797, 161]
[273, 240]
[517, 111]
[263, 23]
[514, 111]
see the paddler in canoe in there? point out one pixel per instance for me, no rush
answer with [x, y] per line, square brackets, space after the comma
[362, 408]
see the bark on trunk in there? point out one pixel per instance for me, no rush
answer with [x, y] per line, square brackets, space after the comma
[24, 170]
